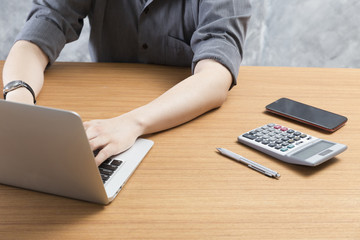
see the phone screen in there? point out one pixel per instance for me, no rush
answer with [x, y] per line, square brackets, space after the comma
[307, 114]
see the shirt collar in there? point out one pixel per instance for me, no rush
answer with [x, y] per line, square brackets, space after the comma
[147, 3]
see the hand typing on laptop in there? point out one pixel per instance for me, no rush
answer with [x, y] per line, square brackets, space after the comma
[111, 136]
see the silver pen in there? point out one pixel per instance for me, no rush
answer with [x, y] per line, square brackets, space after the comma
[253, 165]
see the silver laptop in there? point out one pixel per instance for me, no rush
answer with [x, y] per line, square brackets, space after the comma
[46, 150]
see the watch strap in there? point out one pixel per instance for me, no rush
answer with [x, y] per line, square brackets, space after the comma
[13, 85]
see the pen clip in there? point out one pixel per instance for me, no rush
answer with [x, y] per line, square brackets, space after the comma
[263, 171]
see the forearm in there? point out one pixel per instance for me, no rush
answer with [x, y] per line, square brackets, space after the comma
[25, 62]
[205, 90]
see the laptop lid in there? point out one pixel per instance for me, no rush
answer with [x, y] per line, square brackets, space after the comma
[47, 150]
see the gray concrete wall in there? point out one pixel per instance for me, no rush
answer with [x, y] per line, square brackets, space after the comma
[304, 33]
[298, 33]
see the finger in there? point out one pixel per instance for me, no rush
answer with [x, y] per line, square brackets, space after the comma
[92, 130]
[98, 142]
[91, 134]
[104, 154]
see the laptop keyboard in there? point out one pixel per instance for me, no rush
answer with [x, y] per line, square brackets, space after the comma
[108, 168]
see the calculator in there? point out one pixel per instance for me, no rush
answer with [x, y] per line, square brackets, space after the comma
[291, 146]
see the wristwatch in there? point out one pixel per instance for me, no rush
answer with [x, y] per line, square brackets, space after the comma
[11, 86]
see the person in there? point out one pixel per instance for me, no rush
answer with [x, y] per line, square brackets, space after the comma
[207, 35]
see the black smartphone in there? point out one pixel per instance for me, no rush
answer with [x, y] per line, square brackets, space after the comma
[307, 114]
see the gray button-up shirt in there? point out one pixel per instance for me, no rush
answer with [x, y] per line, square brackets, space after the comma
[169, 32]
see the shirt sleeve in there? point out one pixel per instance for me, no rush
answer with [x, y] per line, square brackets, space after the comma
[220, 33]
[52, 23]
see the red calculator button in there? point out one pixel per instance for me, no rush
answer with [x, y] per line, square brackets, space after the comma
[277, 127]
[284, 129]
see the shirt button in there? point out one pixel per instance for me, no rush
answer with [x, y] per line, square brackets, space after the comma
[145, 46]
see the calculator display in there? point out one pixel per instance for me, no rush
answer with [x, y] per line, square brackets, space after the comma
[312, 150]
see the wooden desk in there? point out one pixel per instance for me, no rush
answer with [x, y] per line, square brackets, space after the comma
[184, 189]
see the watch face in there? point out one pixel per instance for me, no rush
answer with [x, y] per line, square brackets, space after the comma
[12, 85]
[15, 85]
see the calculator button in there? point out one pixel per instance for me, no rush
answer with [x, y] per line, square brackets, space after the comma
[271, 129]
[258, 140]
[290, 131]
[272, 145]
[291, 141]
[271, 125]
[249, 136]
[260, 135]
[265, 142]
[278, 147]
[303, 135]
[290, 146]
[297, 133]
[297, 138]
[284, 149]
[272, 139]
[277, 126]
[284, 129]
